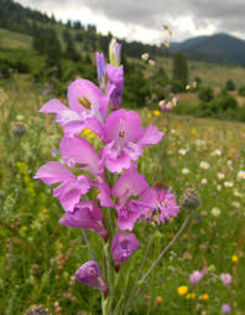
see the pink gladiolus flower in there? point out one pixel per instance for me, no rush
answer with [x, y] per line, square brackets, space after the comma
[71, 188]
[195, 277]
[90, 274]
[165, 206]
[226, 278]
[86, 215]
[87, 108]
[125, 139]
[123, 246]
[130, 185]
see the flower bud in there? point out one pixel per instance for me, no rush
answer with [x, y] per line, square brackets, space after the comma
[37, 310]
[100, 61]
[90, 274]
[115, 53]
[123, 246]
[190, 199]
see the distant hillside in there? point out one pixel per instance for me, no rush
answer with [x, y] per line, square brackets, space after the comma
[219, 47]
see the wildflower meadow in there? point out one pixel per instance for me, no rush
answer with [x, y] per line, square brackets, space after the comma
[109, 210]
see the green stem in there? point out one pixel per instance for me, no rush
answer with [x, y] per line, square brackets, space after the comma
[165, 250]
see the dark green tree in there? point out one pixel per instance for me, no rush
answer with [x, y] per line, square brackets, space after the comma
[180, 68]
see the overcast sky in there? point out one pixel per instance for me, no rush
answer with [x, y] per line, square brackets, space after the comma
[143, 20]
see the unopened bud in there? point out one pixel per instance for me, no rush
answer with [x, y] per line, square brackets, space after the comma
[190, 199]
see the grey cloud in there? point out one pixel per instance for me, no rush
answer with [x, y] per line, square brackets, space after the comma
[227, 15]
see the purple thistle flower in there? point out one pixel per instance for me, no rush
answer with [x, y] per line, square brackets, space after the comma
[226, 278]
[101, 69]
[195, 277]
[226, 309]
[88, 216]
[123, 246]
[87, 108]
[90, 274]
[125, 139]
[130, 185]
[165, 206]
[71, 188]
[115, 85]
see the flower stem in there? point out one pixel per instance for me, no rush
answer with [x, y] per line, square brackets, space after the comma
[165, 250]
[87, 242]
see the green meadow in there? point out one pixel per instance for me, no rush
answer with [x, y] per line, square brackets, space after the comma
[38, 256]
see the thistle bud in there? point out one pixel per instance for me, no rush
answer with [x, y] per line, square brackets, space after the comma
[37, 310]
[18, 130]
[190, 199]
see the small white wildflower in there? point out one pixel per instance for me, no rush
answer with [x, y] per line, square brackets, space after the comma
[229, 162]
[236, 204]
[216, 152]
[219, 187]
[204, 181]
[152, 62]
[185, 171]
[215, 212]
[241, 175]
[145, 56]
[204, 165]
[200, 142]
[187, 87]
[182, 151]
[228, 184]
[221, 176]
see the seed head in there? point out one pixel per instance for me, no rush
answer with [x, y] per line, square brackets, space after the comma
[190, 199]
[18, 130]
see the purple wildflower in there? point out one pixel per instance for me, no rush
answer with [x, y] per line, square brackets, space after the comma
[87, 108]
[195, 277]
[226, 278]
[88, 216]
[115, 52]
[71, 188]
[226, 309]
[165, 206]
[123, 246]
[90, 274]
[125, 139]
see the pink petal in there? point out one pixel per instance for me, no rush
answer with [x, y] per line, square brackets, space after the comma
[53, 172]
[53, 106]
[151, 135]
[76, 151]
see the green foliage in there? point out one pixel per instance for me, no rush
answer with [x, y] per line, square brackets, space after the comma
[206, 94]
[230, 85]
[180, 68]
[242, 91]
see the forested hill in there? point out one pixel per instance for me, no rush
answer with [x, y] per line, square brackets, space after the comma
[15, 17]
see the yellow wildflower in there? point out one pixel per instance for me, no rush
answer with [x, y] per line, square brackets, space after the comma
[194, 131]
[157, 113]
[204, 297]
[234, 259]
[182, 290]
[158, 299]
[149, 115]
[191, 296]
